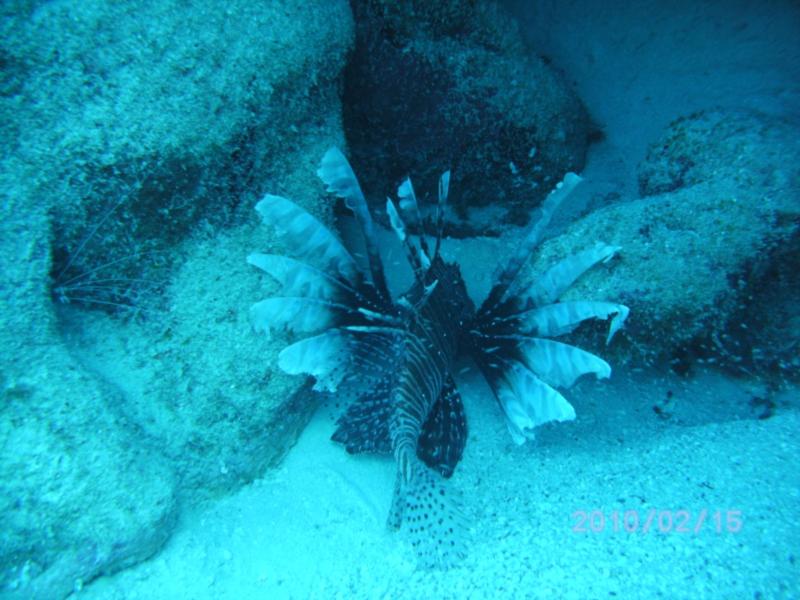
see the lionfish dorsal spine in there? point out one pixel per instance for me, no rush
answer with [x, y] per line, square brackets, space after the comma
[505, 276]
[444, 191]
[412, 253]
[338, 176]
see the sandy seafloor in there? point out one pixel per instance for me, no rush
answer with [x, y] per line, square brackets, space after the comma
[314, 528]
[722, 486]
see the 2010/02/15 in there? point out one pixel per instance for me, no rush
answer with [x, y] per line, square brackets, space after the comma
[662, 521]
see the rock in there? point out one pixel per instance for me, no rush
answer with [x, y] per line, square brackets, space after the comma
[135, 133]
[80, 493]
[437, 86]
[706, 247]
[148, 119]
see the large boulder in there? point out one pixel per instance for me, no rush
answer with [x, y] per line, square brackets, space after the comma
[449, 85]
[133, 132]
[710, 250]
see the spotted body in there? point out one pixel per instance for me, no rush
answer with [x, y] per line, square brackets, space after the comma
[392, 359]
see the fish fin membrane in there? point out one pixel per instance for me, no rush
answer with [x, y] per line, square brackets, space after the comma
[364, 427]
[429, 513]
[300, 279]
[338, 176]
[444, 433]
[306, 237]
[296, 314]
[561, 364]
[551, 285]
[350, 361]
[553, 320]
[529, 402]
[504, 276]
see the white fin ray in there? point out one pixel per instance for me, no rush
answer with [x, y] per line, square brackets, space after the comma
[306, 237]
[549, 287]
[529, 402]
[558, 319]
[561, 364]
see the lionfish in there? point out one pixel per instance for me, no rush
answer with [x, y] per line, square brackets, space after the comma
[392, 358]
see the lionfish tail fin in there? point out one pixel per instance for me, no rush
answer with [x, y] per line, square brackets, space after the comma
[429, 512]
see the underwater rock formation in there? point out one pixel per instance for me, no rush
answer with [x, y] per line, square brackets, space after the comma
[436, 86]
[134, 132]
[716, 226]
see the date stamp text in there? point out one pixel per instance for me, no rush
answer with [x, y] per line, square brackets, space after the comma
[658, 521]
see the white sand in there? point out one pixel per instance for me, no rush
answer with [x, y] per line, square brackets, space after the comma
[315, 527]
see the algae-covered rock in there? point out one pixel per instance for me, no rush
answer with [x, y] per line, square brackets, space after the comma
[708, 251]
[81, 493]
[133, 132]
[437, 86]
[175, 111]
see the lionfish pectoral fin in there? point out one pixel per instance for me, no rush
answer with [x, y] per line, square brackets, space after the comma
[529, 402]
[550, 285]
[367, 375]
[364, 427]
[504, 276]
[444, 434]
[306, 237]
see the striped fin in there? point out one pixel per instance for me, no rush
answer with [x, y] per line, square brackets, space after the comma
[557, 279]
[322, 356]
[373, 353]
[561, 364]
[529, 402]
[444, 434]
[364, 427]
[340, 180]
[294, 313]
[298, 278]
[306, 237]
[505, 276]
[558, 319]
[349, 360]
